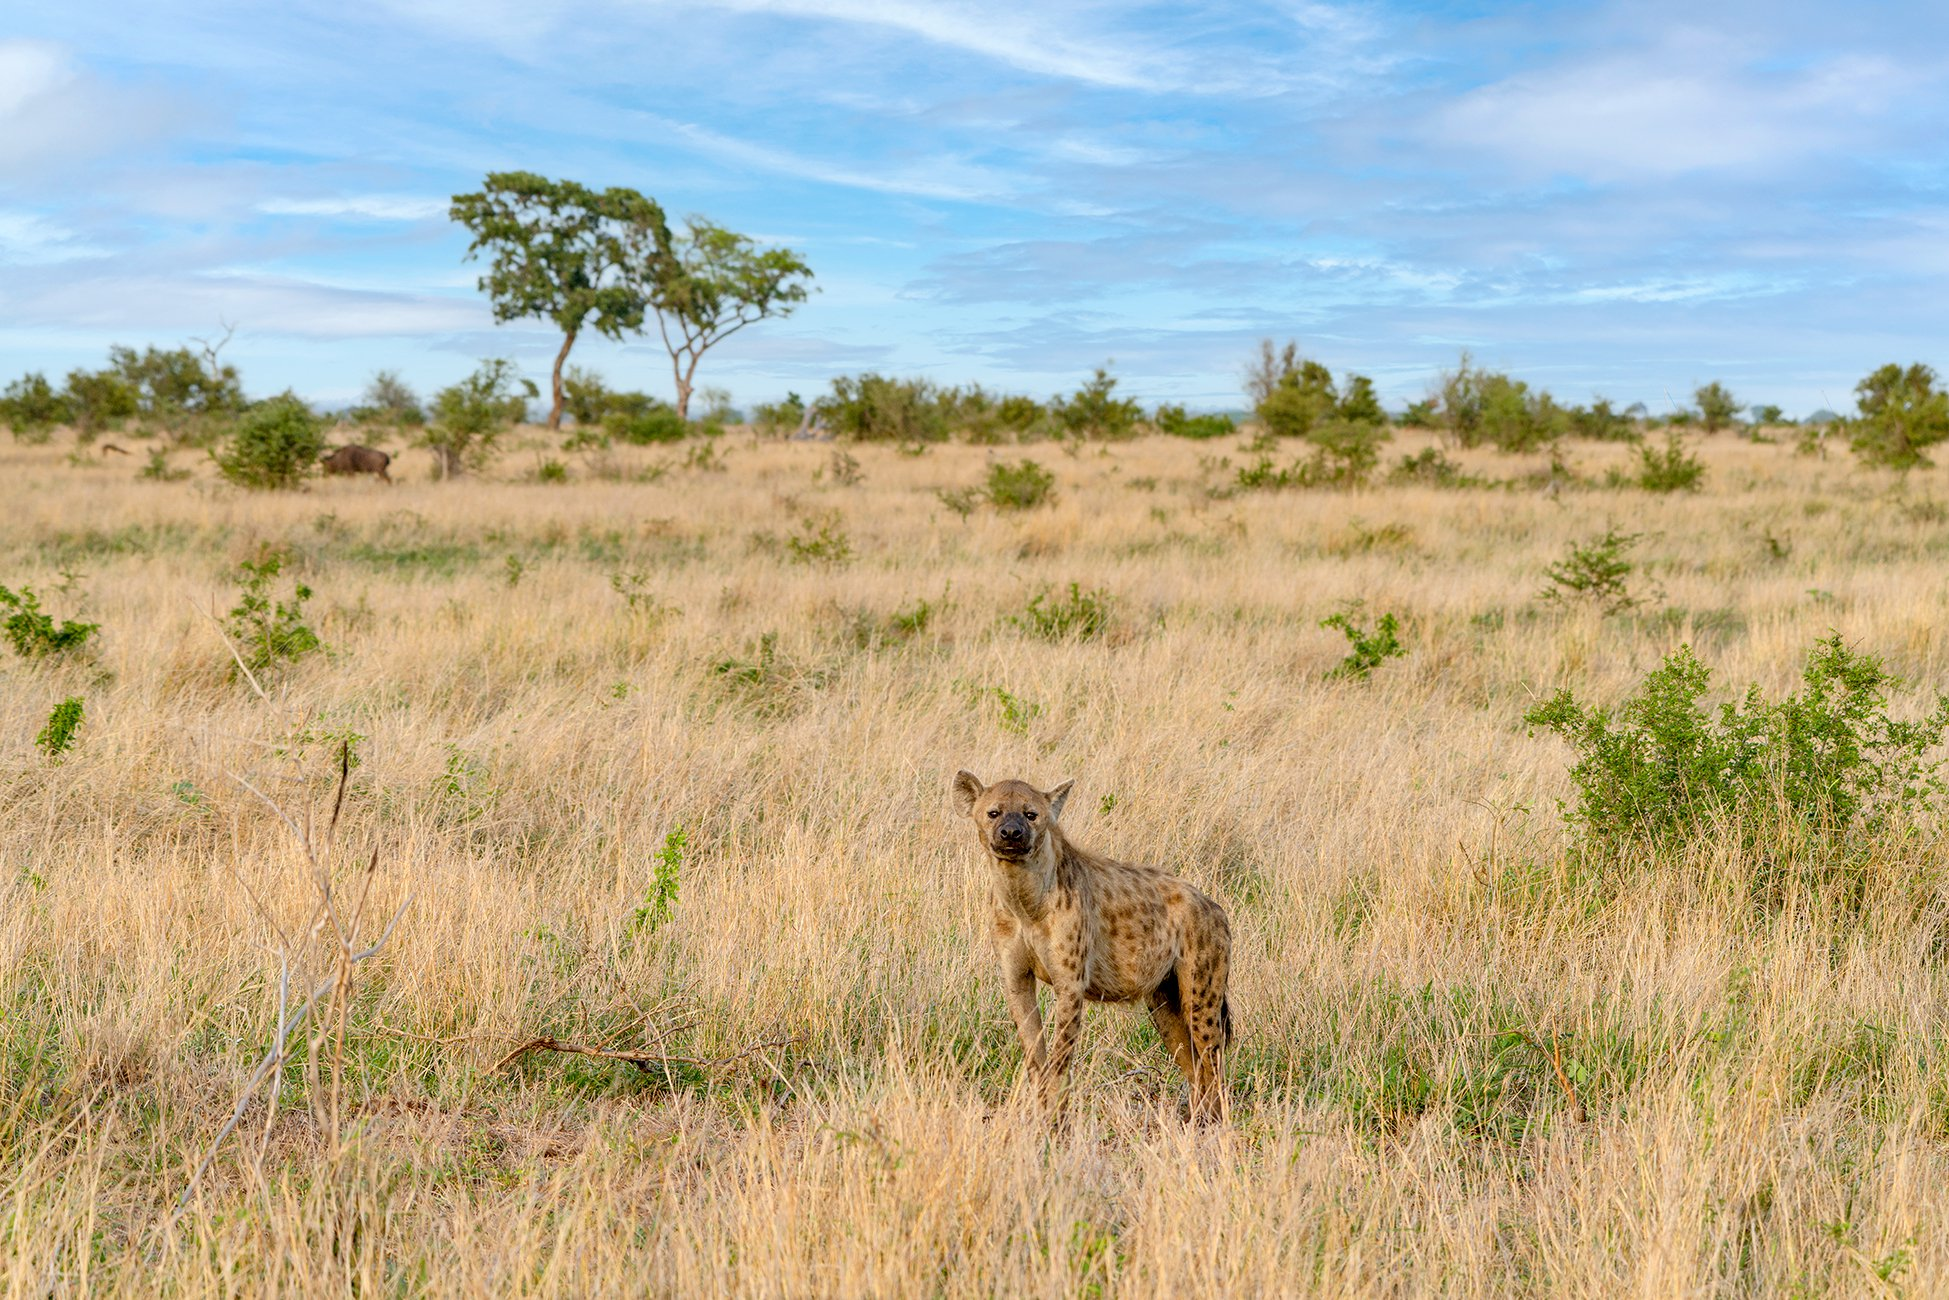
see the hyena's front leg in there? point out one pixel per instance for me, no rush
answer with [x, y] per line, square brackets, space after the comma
[1018, 986]
[1065, 1027]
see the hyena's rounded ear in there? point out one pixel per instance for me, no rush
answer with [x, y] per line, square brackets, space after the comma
[1057, 797]
[967, 789]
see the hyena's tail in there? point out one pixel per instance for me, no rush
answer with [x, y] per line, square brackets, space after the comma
[1225, 1019]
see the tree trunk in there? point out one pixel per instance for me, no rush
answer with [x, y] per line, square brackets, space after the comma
[561, 359]
[683, 398]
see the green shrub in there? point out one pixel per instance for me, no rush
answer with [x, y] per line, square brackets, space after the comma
[821, 541]
[189, 395]
[1482, 406]
[34, 634]
[1359, 405]
[873, 408]
[276, 443]
[1174, 421]
[655, 424]
[1431, 467]
[1829, 761]
[1021, 486]
[1595, 571]
[1902, 412]
[1094, 411]
[1420, 415]
[1301, 396]
[1598, 421]
[388, 402]
[1079, 616]
[774, 418]
[31, 407]
[57, 737]
[265, 631]
[470, 416]
[99, 399]
[1368, 650]
[1717, 407]
[1673, 469]
[662, 894]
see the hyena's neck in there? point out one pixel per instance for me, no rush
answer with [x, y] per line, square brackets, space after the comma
[1026, 887]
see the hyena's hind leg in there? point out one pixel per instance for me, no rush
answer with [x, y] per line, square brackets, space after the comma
[1167, 1011]
[1202, 977]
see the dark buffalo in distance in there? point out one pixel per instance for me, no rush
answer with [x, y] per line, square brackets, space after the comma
[358, 460]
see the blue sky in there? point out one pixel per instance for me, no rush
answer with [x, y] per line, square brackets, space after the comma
[1618, 198]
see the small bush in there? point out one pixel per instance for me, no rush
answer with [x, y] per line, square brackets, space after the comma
[1369, 650]
[1902, 412]
[1598, 421]
[57, 737]
[100, 400]
[1431, 467]
[775, 418]
[1094, 411]
[1079, 616]
[470, 416]
[821, 541]
[34, 634]
[1021, 486]
[31, 407]
[268, 632]
[1717, 407]
[1673, 469]
[1174, 421]
[873, 408]
[1829, 761]
[388, 402]
[1595, 571]
[275, 445]
[1479, 406]
[662, 894]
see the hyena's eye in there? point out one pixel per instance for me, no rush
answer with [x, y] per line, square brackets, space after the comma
[994, 813]
[1030, 814]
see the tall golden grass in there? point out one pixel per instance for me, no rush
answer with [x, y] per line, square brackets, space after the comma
[1429, 990]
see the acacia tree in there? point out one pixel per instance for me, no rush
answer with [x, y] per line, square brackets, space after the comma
[564, 252]
[714, 283]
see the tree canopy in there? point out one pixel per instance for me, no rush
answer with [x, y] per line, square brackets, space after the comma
[715, 283]
[563, 252]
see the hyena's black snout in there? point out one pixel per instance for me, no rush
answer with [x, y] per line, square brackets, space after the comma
[1013, 833]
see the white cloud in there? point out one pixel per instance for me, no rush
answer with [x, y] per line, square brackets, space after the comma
[260, 304]
[52, 112]
[944, 178]
[29, 240]
[1687, 104]
[369, 207]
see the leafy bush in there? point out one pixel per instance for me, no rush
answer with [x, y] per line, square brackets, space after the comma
[265, 631]
[388, 402]
[662, 894]
[774, 418]
[1600, 422]
[1768, 415]
[873, 408]
[1672, 470]
[34, 634]
[821, 541]
[1078, 616]
[1597, 572]
[57, 737]
[1369, 650]
[1291, 395]
[1829, 760]
[1479, 406]
[1431, 467]
[655, 423]
[1717, 407]
[1174, 421]
[471, 415]
[1093, 411]
[275, 445]
[1902, 412]
[1021, 486]
[1359, 405]
[1420, 415]
[31, 407]
[100, 400]
[180, 392]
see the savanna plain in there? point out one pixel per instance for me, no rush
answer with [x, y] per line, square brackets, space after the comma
[655, 761]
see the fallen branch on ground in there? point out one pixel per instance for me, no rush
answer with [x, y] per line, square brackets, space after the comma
[645, 1061]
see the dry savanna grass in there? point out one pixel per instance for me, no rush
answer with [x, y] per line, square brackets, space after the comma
[1469, 1062]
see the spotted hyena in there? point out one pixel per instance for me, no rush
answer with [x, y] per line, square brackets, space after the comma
[1099, 930]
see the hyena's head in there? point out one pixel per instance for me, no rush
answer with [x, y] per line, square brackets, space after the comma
[1012, 818]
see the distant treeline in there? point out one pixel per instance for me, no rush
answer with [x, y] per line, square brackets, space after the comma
[191, 397]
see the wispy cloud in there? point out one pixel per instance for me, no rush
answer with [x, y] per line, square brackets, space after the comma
[365, 207]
